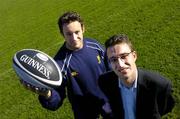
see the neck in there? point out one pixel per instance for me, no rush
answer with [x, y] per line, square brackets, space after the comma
[73, 48]
[129, 81]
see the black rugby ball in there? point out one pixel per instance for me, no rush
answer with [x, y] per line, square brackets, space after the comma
[37, 68]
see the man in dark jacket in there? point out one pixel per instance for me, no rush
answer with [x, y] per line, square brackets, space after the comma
[133, 93]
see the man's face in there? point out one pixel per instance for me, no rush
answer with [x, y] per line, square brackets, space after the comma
[122, 60]
[73, 34]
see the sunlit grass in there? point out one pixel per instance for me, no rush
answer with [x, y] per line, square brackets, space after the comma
[152, 25]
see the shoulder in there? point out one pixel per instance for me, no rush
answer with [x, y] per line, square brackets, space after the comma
[108, 74]
[152, 78]
[108, 77]
[107, 81]
[61, 53]
[93, 44]
[90, 40]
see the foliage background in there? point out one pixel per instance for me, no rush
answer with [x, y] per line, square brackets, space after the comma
[152, 25]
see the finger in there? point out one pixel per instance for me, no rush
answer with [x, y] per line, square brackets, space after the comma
[29, 86]
[25, 84]
[44, 90]
[36, 89]
[22, 82]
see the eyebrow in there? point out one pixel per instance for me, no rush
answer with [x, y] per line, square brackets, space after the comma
[121, 54]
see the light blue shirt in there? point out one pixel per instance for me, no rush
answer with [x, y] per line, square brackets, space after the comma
[129, 99]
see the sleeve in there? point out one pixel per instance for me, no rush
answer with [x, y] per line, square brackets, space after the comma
[104, 57]
[56, 99]
[106, 62]
[57, 95]
[166, 100]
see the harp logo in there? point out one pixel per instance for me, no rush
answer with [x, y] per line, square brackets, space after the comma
[74, 73]
[99, 59]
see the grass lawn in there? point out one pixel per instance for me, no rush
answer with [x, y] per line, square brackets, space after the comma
[152, 25]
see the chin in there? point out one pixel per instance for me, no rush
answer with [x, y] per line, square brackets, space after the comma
[123, 76]
[77, 47]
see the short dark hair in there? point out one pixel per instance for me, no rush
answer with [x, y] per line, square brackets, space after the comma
[69, 17]
[118, 39]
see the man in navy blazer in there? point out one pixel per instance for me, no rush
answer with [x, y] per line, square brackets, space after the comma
[133, 93]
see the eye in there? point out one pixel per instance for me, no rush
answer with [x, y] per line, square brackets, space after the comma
[123, 56]
[76, 32]
[68, 34]
[113, 60]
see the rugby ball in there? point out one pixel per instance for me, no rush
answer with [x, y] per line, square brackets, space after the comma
[37, 68]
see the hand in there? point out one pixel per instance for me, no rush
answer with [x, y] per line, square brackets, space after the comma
[40, 91]
[107, 108]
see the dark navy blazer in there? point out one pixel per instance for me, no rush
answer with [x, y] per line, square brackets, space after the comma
[154, 95]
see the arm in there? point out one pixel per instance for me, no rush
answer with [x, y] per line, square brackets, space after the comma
[166, 100]
[54, 99]
[106, 62]
[50, 99]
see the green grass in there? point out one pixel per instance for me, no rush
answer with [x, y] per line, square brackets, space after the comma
[153, 26]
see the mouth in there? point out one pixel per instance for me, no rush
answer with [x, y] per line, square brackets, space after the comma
[123, 70]
[74, 41]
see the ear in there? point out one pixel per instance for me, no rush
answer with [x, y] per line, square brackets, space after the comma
[83, 28]
[134, 53]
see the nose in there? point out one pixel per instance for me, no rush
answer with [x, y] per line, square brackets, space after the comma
[120, 62]
[73, 36]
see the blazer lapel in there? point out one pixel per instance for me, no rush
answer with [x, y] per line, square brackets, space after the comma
[118, 99]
